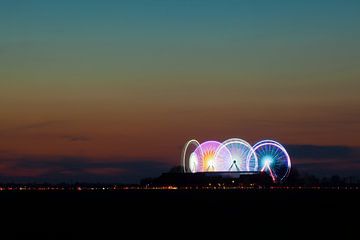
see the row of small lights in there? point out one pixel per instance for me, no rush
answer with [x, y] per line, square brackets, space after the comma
[170, 187]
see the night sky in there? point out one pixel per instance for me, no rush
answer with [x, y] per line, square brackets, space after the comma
[111, 90]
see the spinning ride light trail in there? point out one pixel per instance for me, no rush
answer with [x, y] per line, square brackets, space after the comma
[241, 156]
[193, 162]
[237, 155]
[273, 159]
[206, 157]
[186, 165]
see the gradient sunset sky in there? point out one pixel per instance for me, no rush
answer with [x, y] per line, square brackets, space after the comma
[111, 90]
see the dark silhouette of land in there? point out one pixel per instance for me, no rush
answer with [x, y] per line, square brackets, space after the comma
[303, 204]
[177, 177]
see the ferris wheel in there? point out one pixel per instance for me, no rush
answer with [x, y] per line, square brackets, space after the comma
[273, 159]
[241, 158]
[237, 155]
[205, 154]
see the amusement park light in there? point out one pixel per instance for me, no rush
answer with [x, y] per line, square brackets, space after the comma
[238, 155]
[211, 163]
[267, 161]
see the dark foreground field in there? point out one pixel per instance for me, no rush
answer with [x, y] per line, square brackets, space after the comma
[230, 211]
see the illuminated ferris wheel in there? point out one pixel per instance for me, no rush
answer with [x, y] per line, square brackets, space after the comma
[273, 159]
[241, 158]
[237, 155]
[205, 157]
[190, 165]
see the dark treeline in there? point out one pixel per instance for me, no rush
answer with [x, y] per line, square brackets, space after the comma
[305, 179]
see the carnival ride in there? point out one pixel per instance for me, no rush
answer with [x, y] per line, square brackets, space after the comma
[237, 155]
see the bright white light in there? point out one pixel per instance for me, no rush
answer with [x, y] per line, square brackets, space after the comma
[193, 162]
[211, 163]
[268, 160]
[183, 154]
